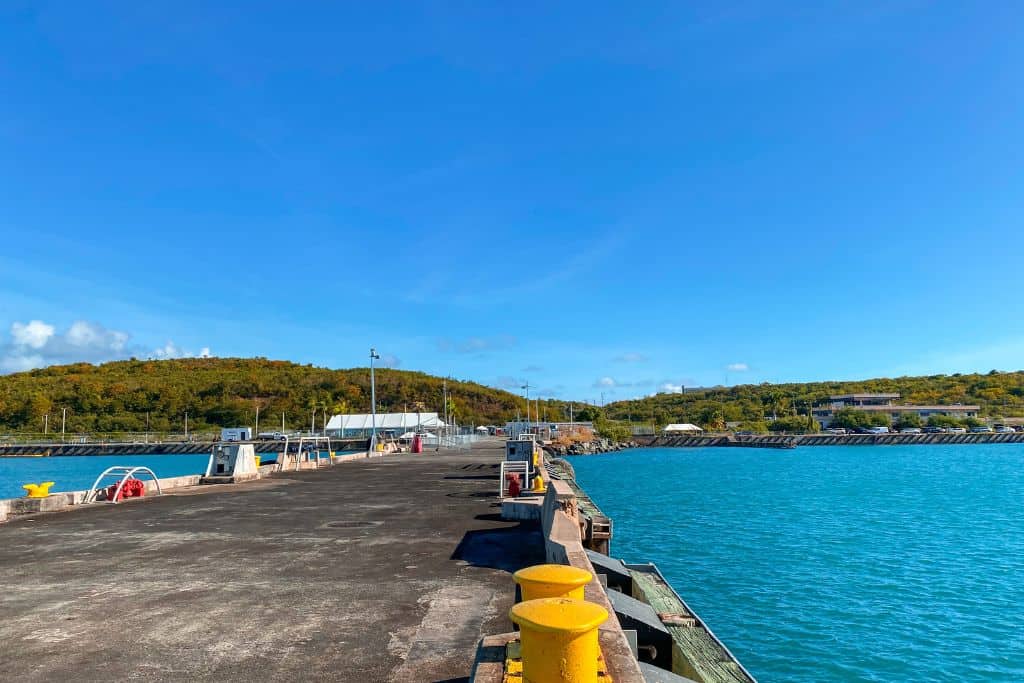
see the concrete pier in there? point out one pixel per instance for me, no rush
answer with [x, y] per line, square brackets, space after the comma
[385, 569]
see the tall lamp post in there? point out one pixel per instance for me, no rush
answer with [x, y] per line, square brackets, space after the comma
[527, 388]
[373, 403]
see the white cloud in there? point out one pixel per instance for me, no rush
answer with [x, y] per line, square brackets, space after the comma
[34, 334]
[737, 367]
[670, 388]
[605, 383]
[37, 344]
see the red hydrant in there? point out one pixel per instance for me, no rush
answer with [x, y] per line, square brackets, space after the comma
[132, 488]
[514, 487]
[417, 444]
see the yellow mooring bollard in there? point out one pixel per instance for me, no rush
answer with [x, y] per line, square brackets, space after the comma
[558, 639]
[38, 490]
[538, 485]
[552, 581]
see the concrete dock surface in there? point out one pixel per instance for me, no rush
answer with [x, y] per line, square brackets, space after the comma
[385, 569]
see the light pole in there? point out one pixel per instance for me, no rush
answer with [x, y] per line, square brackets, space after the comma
[63, 422]
[373, 402]
[46, 424]
[186, 425]
[527, 388]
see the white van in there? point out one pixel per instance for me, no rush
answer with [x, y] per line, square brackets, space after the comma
[878, 430]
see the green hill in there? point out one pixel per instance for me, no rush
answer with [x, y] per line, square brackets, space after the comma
[216, 392]
[1000, 394]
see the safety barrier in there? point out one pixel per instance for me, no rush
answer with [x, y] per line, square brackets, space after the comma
[508, 467]
[125, 473]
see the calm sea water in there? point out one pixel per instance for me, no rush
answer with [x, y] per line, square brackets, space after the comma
[75, 473]
[857, 563]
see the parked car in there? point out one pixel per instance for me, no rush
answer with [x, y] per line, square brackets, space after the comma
[836, 430]
[878, 430]
[1004, 429]
[980, 429]
[956, 430]
[910, 430]
[933, 430]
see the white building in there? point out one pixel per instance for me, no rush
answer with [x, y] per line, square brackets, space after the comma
[885, 404]
[362, 424]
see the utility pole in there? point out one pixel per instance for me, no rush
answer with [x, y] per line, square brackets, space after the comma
[373, 402]
[527, 388]
[63, 422]
[282, 423]
[46, 423]
[312, 423]
[147, 426]
[256, 432]
[186, 425]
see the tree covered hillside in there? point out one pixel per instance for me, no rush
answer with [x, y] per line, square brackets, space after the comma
[220, 392]
[1000, 394]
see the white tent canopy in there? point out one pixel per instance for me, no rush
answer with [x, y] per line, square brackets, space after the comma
[684, 427]
[402, 421]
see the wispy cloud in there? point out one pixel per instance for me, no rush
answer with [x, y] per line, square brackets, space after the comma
[737, 367]
[37, 344]
[630, 357]
[476, 344]
[533, 368]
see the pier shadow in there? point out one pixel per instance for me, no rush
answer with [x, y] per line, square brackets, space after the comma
[491, 477]
[507, 548]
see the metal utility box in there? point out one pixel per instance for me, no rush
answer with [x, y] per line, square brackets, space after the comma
[521, 450]
[236, 434]
[232, 460]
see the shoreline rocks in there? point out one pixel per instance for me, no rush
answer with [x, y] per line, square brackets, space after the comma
[589, 447]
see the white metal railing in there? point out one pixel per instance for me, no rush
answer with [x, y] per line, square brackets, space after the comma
[125, 473]
[513, 466]
[313, 440]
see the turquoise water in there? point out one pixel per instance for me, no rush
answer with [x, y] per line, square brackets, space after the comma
[75, 473]
[856, 563]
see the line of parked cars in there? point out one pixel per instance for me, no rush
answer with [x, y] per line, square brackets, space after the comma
[981, 429]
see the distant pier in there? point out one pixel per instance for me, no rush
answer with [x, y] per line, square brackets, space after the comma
[794, 440]
[156, 448]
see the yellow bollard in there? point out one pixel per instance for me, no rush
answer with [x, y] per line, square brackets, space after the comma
[38, 490]
[552, 581]
[538, 485]
[558, 639]
[257, 459]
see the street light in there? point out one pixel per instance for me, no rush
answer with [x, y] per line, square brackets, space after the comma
[527, 388]
[373, 402]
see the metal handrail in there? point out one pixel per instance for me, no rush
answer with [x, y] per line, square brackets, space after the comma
[298, 454]
[509, 466]
[126, 473]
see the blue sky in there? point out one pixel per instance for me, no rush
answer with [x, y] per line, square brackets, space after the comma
[591, 197]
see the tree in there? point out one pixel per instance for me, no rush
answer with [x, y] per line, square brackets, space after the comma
[795, 424]
[944, 421]
[908, 420]
[612, 431]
